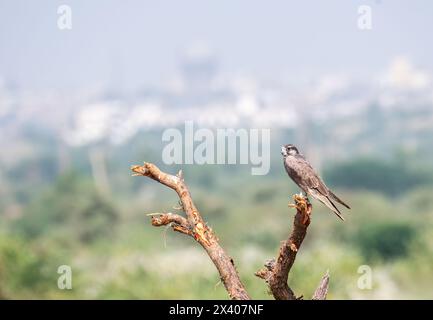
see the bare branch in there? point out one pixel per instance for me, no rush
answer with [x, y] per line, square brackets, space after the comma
[194, 226]
[276, 272]
[322, 289]
[162, 219]
[177, 222]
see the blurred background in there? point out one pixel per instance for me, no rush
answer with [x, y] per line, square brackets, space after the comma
[79, 106]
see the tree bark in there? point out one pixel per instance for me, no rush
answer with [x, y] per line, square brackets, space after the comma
[194, 226]
[275, 273]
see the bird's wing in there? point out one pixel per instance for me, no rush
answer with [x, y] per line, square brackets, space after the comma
[314, 181]
[310, 176]
[316, 187]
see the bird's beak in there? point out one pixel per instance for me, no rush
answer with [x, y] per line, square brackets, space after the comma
[283, 151]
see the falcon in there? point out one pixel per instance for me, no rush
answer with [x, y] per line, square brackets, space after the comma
[303, 174]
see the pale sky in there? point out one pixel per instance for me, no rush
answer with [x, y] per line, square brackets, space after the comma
[136, 43]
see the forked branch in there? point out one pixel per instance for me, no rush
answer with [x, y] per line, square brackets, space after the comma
[275, 272]
[193, 225]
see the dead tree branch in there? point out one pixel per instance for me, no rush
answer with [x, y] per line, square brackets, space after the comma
[322, 289]
[193, 225]
[277, 272]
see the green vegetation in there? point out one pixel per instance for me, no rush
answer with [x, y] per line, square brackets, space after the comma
[115, 253]
[390, 177]
[385, 240]
[71, 207]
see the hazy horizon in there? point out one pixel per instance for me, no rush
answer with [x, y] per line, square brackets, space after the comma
[139, 43]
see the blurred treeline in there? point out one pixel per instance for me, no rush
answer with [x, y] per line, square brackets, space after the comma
[55, 212]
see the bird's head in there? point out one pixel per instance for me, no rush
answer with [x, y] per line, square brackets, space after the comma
[289, 150]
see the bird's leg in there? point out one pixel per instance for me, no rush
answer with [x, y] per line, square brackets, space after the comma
[301, 194]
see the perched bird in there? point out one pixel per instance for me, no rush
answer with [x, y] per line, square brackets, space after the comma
[303, 174]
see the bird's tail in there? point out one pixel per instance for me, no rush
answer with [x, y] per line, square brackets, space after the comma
[327, 202]
[334, 209]
[334, 197]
